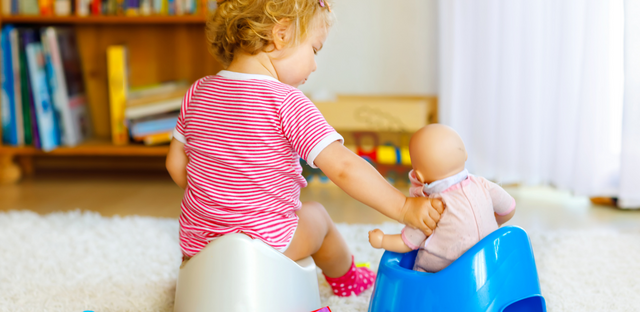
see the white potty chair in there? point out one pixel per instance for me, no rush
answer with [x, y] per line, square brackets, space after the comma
[235, 273]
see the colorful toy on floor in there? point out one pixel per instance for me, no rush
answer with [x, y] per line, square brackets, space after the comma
[325, 309]
[497, 274]
[370, 155]
[389, 154]
[237, 274]
[386, 154]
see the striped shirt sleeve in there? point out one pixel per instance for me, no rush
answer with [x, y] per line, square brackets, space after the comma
[305, 128]
[179, 131]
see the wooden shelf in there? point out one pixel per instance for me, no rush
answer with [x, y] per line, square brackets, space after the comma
[93, 147]
[36, 19]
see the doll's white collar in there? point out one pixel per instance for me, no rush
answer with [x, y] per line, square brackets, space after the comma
[440, 186]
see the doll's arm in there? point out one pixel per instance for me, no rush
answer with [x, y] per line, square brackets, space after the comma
[361, 181]
[504, 205]
[394, 243]
[177, 162]
[503, 219]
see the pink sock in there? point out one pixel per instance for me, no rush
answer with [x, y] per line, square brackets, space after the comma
[356, 280]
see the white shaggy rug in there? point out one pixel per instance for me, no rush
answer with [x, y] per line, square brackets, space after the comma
[78, 261]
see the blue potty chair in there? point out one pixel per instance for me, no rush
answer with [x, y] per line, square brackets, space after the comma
[497, 274]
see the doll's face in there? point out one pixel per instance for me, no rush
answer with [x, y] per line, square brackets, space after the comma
[437, 152]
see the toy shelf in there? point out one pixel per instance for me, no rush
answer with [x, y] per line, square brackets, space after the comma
[120, 20]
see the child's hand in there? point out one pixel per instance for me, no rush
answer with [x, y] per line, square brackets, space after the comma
[422, 213]
[375, 238]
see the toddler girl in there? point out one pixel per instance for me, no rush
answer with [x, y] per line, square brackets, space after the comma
[241, 133]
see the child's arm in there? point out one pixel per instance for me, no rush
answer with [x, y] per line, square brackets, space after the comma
[394, 243]
[361, 181]
[177, 162]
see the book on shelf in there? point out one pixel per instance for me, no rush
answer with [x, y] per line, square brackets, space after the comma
[46, 117]
[15, 63]
[46, 7]
[160, 89]
[27, 36]
[154, 108]
[82, 7]
[66, 84]
[25, 93]
[28, 7]
[117, 80]
[95, 6]
[158, 138]
[159, 99]
[43, 102]
[143, 127]
[62, 7]
[6, 7]
[9, 114]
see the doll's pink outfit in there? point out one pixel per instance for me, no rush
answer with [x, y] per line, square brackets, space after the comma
[469, 216]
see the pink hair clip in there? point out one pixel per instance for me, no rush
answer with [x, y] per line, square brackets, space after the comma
[322, 5]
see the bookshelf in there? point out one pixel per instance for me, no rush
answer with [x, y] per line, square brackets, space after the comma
[160, 48]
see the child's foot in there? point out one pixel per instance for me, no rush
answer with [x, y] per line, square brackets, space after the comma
[356, 280]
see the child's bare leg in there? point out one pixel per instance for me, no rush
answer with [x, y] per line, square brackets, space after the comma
[317, 236]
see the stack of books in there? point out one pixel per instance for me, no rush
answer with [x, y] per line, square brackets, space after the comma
[43, 101]
[108, 7]
[152, 112]
[147, 114]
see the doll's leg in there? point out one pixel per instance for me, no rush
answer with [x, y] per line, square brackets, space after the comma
[317, 236]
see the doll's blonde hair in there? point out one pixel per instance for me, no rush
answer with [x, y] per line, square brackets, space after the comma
[246, 25]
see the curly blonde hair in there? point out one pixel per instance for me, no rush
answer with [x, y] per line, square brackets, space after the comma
[246, 25]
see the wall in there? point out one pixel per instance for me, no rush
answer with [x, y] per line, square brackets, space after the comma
[379, 48]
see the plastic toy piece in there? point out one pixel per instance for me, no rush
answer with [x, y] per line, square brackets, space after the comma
[325, 309]
[363, 264]
[497, 274]
[237, 274]
[405, 157]
[388, 155]
[369, 155]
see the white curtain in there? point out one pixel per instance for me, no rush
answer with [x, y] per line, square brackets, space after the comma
[630, 168]
[535, 88]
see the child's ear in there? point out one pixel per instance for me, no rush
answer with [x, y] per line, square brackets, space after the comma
[281, 34]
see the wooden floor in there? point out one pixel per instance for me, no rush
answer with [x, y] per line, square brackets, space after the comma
[154, 194]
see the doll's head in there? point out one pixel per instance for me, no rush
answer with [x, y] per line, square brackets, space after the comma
[437, 152]
[297, 27]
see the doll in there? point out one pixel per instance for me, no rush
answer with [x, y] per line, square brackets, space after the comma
[475, 206]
